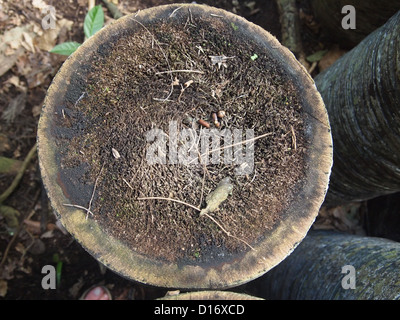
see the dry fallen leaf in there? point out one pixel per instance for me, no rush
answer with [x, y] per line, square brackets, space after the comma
[12, 46]
[27, 43]
[48, 39]
[15, 107]
[3, 288]
[14, 80]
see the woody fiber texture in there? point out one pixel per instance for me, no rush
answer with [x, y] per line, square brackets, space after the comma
[361, 92]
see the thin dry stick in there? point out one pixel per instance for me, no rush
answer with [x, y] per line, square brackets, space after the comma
[91, 4]
[228, 233]
[127, 183]
[173, 12]
[235, 144]
[165, 57]
[78, 207]
[203, 182]
[294, 143]
[19, 175]
[91, 198]
[94, 190]
[198, 209]
[177, 71]
[169, 199]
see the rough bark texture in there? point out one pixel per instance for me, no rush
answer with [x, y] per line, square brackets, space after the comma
[361, 92]
[290, 25]
[370, 15]
[314, 269]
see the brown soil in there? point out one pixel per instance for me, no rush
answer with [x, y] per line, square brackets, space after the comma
[124, 97]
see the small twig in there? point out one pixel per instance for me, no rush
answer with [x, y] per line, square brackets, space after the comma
[78, 207]
[91, 4]
[203, 182]
[165, 57]
[91, 198]
[205, 214]
[313, 66]
[9, 246]
[170, 199]
[177, 71]
[235, 144]
[19, 175]
[94, 190]
[216, 15]
[173, 12]
[127, 183]
[294, 143]
[227, 233]
[79, 99]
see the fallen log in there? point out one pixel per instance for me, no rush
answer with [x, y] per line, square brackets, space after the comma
[361, 91]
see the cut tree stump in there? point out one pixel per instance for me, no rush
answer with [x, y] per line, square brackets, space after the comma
[172, 67]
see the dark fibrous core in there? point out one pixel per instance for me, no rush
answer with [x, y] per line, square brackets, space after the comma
[167, 73]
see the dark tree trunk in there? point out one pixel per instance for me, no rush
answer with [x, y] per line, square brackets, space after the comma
[314, 269]
[382, 217]
[361, 92]
[370, 15]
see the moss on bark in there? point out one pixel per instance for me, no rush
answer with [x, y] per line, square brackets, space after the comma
[314, 269]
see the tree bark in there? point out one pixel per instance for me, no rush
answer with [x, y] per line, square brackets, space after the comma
[314, 270]
[361, 92]
[370, 15]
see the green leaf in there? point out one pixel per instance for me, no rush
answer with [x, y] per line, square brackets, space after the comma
[254, 57]
[94, 21]
[56, 257]
[234, 26]
[315, 57]
[66, 48]
[58, 272]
